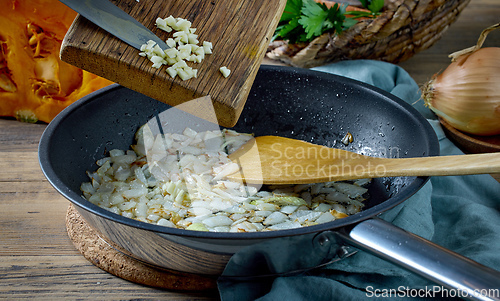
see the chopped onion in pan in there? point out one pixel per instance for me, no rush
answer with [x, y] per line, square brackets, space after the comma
[177, 180]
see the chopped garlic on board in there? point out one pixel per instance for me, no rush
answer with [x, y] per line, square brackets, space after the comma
[183, 47]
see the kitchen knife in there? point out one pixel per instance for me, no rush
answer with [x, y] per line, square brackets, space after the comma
[114, 20]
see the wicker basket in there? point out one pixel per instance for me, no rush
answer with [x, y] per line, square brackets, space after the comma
[403, 29]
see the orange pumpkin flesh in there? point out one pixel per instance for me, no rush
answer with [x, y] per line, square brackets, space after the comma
[35, 85]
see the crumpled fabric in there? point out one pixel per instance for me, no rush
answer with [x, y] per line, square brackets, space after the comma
[460, 213]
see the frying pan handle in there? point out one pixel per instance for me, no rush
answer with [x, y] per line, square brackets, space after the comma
[468, 278]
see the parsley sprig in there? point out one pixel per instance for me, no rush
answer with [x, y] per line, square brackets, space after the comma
[304, 20]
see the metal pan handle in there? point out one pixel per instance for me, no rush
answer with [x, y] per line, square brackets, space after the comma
[468, 278]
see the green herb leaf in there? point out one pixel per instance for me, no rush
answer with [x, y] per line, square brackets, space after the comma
[336, 18]
[288, 26]
[313, 18]
[349, 22]
[292, 31]
[304, 20]
[373, 5]
[292, 10]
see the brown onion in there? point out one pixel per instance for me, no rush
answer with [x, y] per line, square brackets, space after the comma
[467, 93]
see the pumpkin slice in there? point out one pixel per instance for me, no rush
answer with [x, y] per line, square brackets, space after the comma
[35, 85]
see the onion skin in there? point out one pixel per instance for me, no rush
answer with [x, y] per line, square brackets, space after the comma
[467, 93]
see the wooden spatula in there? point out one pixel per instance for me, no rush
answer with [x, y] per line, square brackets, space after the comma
[279, 160]
[240, 31]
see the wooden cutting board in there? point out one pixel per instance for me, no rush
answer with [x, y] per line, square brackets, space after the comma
[240, 31]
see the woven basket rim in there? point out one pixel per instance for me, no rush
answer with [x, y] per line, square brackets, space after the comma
[398, 33]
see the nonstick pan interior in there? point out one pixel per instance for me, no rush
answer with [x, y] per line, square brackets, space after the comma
[298, 103]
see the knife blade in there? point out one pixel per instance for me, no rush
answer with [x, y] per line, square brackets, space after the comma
[114, 20]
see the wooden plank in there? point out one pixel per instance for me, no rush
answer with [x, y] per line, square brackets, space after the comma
[496, 176]
[71, 277]
[239, 30]
[20, 166]
[19, 136]
[33, 219]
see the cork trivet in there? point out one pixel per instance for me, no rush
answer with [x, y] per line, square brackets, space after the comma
[102, 255]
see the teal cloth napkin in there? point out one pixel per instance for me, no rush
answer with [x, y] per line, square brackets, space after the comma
[460, 213]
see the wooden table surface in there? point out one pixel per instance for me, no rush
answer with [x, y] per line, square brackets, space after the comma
[37, 258]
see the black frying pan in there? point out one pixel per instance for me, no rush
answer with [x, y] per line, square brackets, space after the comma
[296, 103]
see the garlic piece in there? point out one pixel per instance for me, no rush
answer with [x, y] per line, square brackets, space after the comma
[225, 72]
